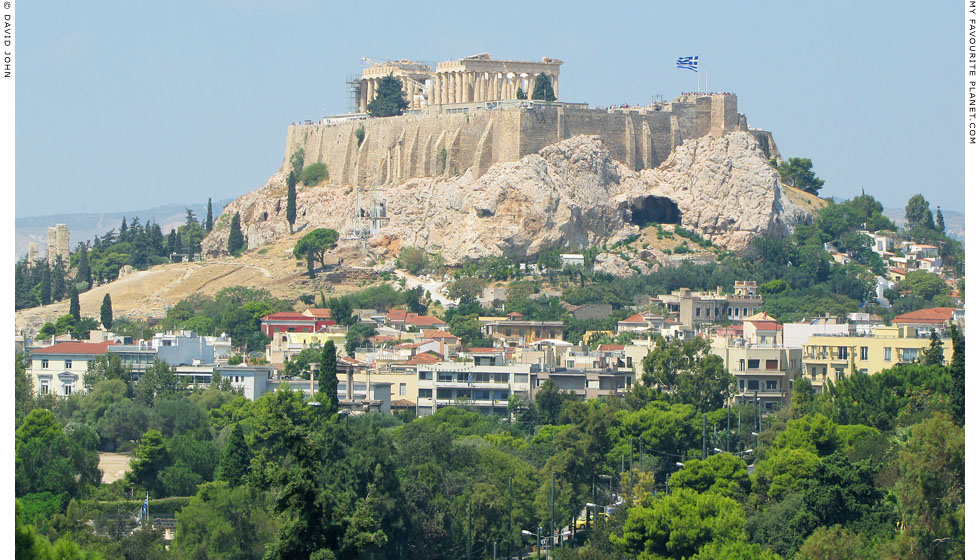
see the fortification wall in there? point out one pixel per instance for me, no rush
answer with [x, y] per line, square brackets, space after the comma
[399, 148]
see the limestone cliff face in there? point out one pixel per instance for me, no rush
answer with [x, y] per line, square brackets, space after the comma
[726, 190]
[570, 193]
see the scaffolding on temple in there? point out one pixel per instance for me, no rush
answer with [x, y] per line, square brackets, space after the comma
[353, 92]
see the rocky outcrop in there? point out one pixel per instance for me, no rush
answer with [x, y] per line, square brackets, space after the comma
[571, 193]
[726, 189]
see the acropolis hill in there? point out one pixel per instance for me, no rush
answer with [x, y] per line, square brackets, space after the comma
[469, 109]
[471, 170]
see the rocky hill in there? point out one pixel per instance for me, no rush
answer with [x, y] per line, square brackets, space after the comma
[571, 193]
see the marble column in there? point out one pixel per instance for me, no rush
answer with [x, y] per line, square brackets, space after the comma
[362, 96]
[554, 85]
[459, 86]
[443, 88]
[370, 94]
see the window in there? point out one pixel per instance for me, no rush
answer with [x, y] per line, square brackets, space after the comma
[753, 384]
[838, 373]
[67, 389]
[741, 365]
[697, 312]
[910, 354]
[44, 364]
[67, 364]
[888, 354]
[745, 312]
[864, 352]
[425, 375]
[864, 371]
[425, 393]
[772, 364]
[753, 364]
[445, 377]
[402, 389]
[44, 388]
[520, 378]
[772, 385]
[444, 393]
[842, 352]
[741, 384]
[481, 395]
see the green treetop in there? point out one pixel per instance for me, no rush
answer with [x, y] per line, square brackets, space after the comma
[236, 239]
[797, 172]
[542, 88]
[390, 100]
[105, 313]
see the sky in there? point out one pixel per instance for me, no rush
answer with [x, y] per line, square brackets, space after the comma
[125, 105]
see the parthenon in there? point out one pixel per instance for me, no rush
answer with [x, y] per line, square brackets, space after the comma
[473, 79]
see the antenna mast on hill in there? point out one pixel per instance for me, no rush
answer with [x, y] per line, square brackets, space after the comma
[370, 215]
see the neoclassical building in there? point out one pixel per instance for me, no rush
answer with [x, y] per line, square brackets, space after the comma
[473, 79]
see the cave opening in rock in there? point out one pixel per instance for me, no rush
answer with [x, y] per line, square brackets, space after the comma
[646, 210]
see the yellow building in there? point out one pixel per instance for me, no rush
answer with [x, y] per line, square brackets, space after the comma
[834, 357]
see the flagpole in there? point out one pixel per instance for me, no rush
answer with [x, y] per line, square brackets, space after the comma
[698, 71]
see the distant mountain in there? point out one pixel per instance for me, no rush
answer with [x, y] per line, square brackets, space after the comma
[955, 221]
[83, 227]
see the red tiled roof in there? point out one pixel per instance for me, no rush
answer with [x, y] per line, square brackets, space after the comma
[319, 313]
[934, 315]
[515, 314]
[423, 358]
[397, 315]
[638, 318]
[76, 348]
[424, 320]
[436, 334]
[766, 325]
[481, 350]
[611, 347]
[287, 316]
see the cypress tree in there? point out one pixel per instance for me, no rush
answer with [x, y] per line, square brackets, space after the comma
[83, 272]
[235, 458]
[209, 221]
[957, 370]
[45, 289]
[58, 279]
[106, 312]
[328, 375]
[123, 231]
[74, 309]
[543, 89]
[390, 100]
[940, 221]
[291, 200]
[236, 240]
[521, 94]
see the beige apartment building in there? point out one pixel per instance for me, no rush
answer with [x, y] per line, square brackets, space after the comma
[834, 357]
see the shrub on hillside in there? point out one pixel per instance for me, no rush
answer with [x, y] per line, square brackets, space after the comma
[313, 174]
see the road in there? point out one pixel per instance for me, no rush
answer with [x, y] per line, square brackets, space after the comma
[432, 287]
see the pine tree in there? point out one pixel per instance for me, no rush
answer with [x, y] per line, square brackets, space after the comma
[106, 312]
[291, 200]
[934, 354]
[123, 231]
[84, 273]
[235, 458]
[236, 240]
[390, 100]
[328, 375]
[542, 88]
[74, 309]
[209, 220]
[940, 221]
[521, 94]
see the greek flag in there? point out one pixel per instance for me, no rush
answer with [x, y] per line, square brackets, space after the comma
[689, 62]
[145, 511]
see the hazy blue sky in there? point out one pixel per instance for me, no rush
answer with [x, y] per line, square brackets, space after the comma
[126, 105]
